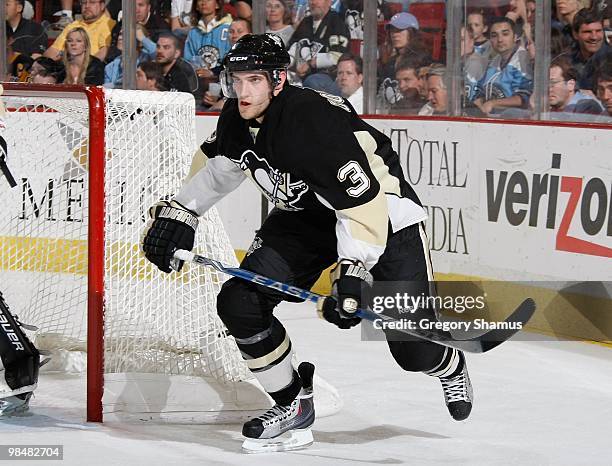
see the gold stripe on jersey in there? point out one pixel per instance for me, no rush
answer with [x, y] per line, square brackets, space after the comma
[369, 222]
[388, 183]
[197, 163]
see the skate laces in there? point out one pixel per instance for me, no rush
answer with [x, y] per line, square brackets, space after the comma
[455, 388]
[277, 413]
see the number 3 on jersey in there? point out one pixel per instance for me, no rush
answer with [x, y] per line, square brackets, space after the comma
[353, 171]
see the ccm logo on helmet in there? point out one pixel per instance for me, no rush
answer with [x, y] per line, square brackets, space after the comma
[238, 58]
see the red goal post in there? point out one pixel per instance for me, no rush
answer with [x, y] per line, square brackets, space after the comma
[89, 162]
[95, 270]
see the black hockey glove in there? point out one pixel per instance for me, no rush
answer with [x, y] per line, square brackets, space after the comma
[172, 227]
[347, 279]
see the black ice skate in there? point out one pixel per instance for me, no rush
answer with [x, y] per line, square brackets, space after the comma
[283, 428]
[458, 394]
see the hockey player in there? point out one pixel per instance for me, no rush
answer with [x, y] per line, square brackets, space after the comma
[339, 197]
[20, 359]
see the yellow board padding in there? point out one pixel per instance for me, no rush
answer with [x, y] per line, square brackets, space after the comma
[81, 154]
[54, 255]
[565, 315]
[43, 255]
[571, 313]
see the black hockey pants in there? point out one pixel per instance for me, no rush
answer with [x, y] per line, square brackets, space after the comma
[294, 248]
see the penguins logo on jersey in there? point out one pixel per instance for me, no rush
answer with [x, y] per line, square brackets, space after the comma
[212, 137]
[390, 91]
[210, 56]
[276, 186]
[307, 49]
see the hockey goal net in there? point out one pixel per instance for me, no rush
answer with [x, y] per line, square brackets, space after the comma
[89, 162]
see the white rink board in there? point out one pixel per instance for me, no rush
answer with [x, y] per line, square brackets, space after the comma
[447, 163]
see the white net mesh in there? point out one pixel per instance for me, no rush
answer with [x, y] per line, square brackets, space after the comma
[154, 322]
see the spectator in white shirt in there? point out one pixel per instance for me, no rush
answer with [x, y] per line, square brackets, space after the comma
[349, 77]
[180, 17]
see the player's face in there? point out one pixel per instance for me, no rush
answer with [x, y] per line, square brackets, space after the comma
[559, 90]
[347, 77]
[604, 93]
[590, 37]
[408, 82]
[437, 94]
[502, 38]
[92, 9]
[166, 52]
[476, 27]
[237, 29]
[253, 91]
[75, 44]
[143, 9]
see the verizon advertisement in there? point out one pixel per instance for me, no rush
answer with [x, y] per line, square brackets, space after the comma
[508, 202]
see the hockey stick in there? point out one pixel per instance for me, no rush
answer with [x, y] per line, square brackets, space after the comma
[479, 344]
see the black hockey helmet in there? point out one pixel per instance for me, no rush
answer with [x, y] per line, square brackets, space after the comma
[255, 52]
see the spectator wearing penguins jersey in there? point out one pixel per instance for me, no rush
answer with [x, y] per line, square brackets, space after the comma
[316, 46]
[403, 40]
[208, 41]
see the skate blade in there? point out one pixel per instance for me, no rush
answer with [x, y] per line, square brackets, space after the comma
[292, 440]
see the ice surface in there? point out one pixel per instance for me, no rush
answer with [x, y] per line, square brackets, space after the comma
[536, 403]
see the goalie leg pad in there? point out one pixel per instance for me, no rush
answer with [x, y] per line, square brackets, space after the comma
[20, 358]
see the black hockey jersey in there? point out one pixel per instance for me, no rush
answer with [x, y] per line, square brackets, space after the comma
[312, 151]
[327, 43]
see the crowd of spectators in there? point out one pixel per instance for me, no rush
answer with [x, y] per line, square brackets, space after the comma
[181, 45]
